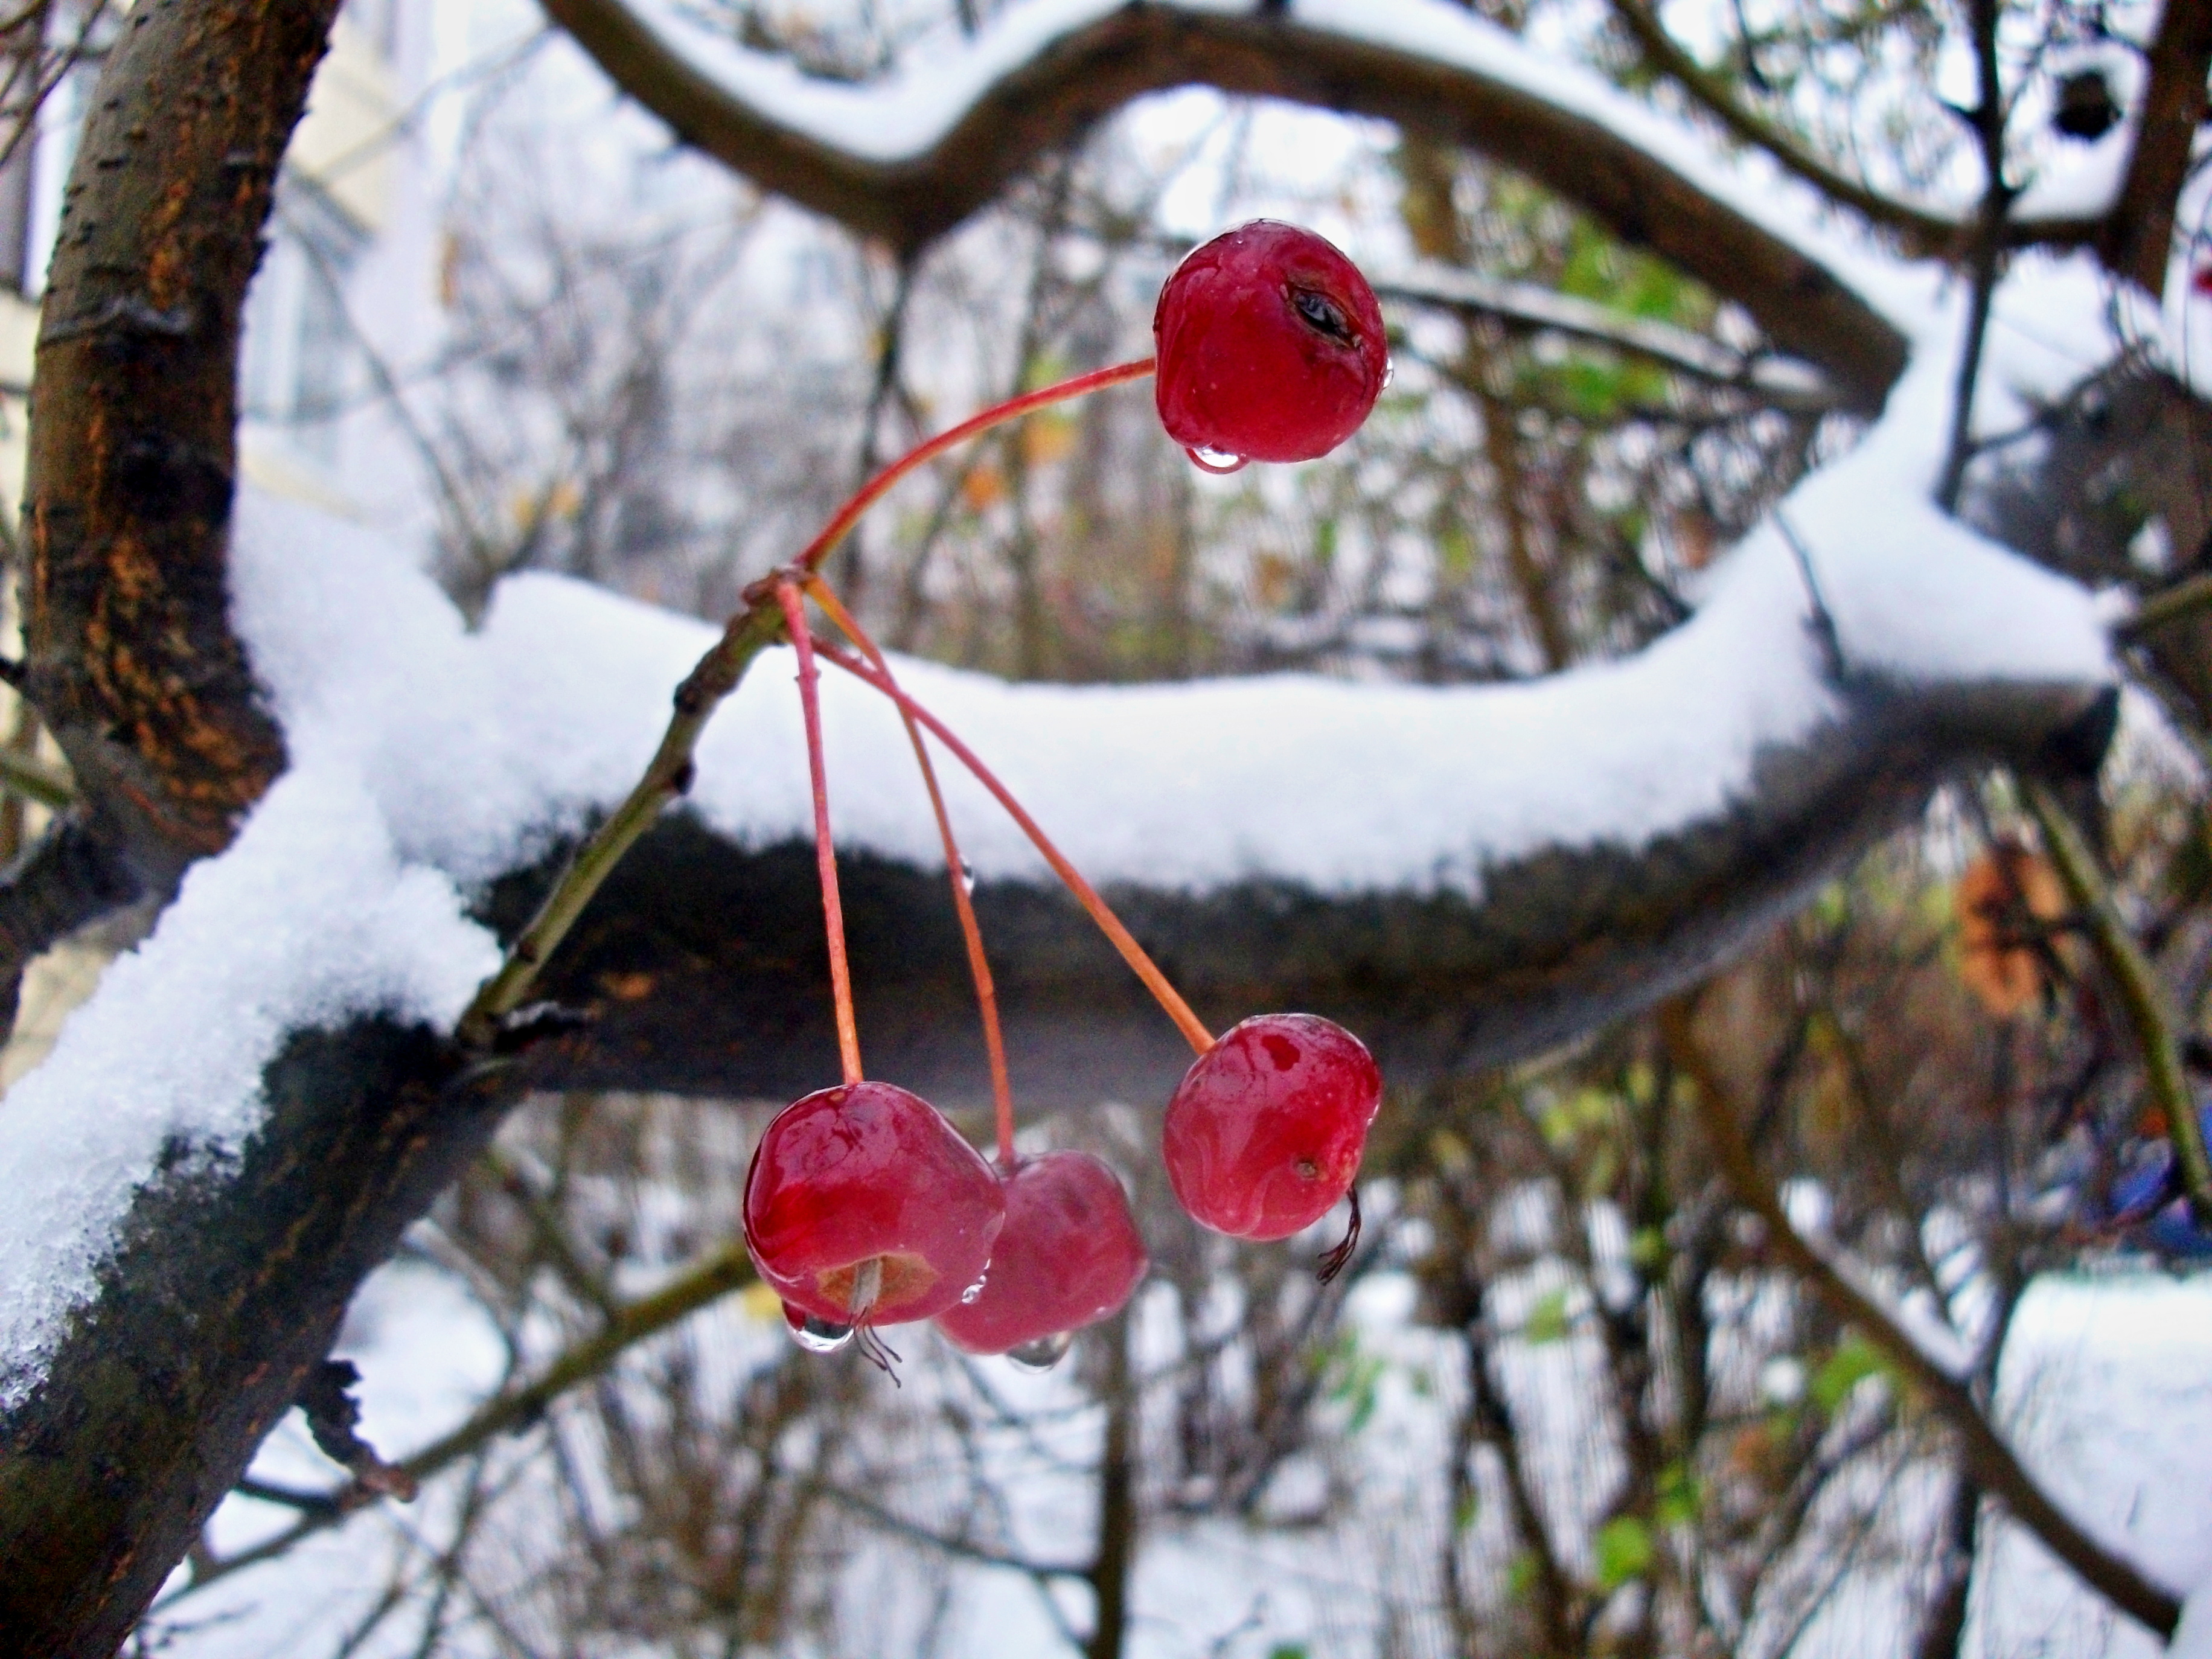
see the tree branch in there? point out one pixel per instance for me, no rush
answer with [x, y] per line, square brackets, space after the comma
[1989, 1461]
[1924, 233]
[2137, 239]
[1779, 382]
[133, 414]
[2136, 981]
[687, 977]
[69, 878]
[1068, 83]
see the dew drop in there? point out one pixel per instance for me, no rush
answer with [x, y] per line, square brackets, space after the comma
[1215, 460]
[1389, 372]
[815, 1334]
[1043, 1354]
[974, 1293]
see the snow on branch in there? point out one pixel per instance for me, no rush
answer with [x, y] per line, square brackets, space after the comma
[427, 763]
[908, 157]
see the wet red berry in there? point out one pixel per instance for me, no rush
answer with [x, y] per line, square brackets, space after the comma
[1069, 1255]
[1265, 1131]
[864, 1206]
[1270, 346]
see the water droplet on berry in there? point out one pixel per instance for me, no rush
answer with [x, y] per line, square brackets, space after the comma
[1389, 372]
[813, 1335]
[968, 881]
[1215, 460]
[974, 1293]
[1043, 1354]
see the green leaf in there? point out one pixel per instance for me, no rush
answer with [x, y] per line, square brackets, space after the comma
[1623, 1548]
[1467, 1510]
[1679, 1498]
[1290, 1650]
[1352, 1378]
[1521, 1576]
[1854, 1360]
[1547, 1321]
[1647, 1251]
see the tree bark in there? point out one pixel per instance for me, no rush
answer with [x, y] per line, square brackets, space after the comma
[701, 967]
[134, 413]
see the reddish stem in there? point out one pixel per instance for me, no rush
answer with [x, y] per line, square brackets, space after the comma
[998, 415]
[987, 993]
[1189, 1023]
[825, 855]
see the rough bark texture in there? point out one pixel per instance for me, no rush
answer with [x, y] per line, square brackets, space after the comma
[134, 415]
[1057, 94]
[226, 1294]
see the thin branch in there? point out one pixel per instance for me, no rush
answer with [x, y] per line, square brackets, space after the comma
[667, 776]
[2173, 604]
[1926, 232]
[1781, 382]
[960, 1549]
[2140, 994]
[2136, 240]
[1044, 100]
[725, 1271]
[1985, 257]
[669, 773]
[1987, 1458]
[69, 879]
[38, 782]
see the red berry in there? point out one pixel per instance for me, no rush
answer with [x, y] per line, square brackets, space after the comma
[1069, 1255]
[1270, 346]
[864, 1206]
[1265, 1131]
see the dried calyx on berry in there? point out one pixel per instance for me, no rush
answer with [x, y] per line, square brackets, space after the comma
[1270, 348]
[864, 1207]
[1069, 1255]
[1265, 1132]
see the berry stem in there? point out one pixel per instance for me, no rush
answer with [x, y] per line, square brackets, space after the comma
[825, 854]
[986, 992]
[668, 774]
[666, 777]
[951, 438]
[1189, 1023]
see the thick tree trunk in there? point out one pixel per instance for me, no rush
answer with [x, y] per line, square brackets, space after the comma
[133, 423]
[106, 1477]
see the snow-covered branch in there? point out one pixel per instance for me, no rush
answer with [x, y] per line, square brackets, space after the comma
[910, 157]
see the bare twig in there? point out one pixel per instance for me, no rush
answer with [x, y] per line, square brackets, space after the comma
[1988, 1459]
[2141, 996]
[1927, 232]
[1781, 382]
[725, 1271]
[38, 780]
[2173, 604]
[668, 774]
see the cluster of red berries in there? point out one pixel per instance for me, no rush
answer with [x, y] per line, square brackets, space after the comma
[864, 1206]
